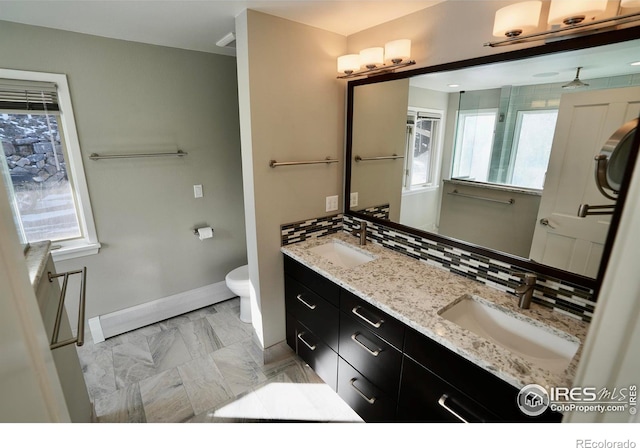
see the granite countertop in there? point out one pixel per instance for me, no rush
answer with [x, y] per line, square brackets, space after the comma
[414, 292]
[36, 259]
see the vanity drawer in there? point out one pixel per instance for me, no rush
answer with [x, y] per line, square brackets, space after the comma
[369, 402]
[480, 385]
[312, 280]
[385, 326]
[376, 359]
[424, 397]
[313, 351]
[313, 311]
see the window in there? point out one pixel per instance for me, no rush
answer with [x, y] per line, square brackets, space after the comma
[474, 144]
[532, 147]
[421, 150]
[42, 164]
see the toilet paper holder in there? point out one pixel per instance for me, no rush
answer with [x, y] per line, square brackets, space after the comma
[196, 231]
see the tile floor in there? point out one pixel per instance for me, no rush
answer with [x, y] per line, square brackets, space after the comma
[203, 367]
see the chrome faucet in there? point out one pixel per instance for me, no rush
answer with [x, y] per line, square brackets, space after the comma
[362, 233]
[525, 291]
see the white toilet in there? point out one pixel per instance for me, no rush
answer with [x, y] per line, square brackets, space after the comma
[238, 282]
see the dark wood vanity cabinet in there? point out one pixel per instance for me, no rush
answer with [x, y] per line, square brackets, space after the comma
[383, 369]
[312, 319]
[479, 395]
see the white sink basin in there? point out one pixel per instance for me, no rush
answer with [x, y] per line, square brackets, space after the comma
[534, 341]
[342, 255]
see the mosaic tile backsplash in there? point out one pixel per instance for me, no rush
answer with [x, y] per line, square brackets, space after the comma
[311, 228]
[567, 298]
[378, 211]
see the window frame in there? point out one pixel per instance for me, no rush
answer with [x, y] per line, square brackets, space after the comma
[459, 133]
[520, 113]
[435, 156]
[88, 243]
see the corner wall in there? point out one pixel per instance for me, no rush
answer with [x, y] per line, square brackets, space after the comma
[292, 109]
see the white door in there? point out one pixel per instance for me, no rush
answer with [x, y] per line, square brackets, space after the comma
[586, 120]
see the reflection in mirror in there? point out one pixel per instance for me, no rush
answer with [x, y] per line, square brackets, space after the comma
[502, 160]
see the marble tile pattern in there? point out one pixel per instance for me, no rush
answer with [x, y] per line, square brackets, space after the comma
[563, 297]
[413, 291]
[203, 366]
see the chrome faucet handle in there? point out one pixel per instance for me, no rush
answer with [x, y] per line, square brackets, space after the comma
[528, 277]
[525, 291]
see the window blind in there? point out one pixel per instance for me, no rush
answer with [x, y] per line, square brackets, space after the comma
[18, 95]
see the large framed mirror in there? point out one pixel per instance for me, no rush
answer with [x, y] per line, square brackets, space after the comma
[497, 154]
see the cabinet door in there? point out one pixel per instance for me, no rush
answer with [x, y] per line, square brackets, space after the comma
[374, 319]
[313, 351]
[475, 382]
[320, 316]
[322, 286]
[424, 397]
[369, 402]
[377, 360]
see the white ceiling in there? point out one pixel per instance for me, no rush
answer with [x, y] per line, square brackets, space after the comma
[597, 62]
[198, 25]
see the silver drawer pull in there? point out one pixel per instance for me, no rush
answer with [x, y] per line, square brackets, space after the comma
[373, 324]
[311, 347]
[311, 307]
[79, 339]
[369, 400]
[443, 402]
[354, 338]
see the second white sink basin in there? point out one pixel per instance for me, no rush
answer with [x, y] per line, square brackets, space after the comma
[342, 255]
[534, 341]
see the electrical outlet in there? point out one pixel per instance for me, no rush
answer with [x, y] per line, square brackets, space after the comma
[197, 191]
[353, 200]
[331, 203]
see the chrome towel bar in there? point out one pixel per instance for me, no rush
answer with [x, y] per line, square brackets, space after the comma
[275, 163]
[178, 153]
[392, 157]
[79, 339]
[510, 201]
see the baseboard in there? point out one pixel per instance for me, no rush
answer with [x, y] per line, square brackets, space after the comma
[118, 322]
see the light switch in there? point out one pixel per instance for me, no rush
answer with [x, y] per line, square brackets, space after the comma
[353, 202]
[197, 191]
[332, 203]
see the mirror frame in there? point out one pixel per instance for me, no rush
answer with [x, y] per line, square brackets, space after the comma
[571, 44]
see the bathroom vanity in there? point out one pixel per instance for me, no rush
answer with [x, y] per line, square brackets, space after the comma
[395, 337]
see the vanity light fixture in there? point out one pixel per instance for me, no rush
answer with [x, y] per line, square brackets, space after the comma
[565, 18]
[376, 60]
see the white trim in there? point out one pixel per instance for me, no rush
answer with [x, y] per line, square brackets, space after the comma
[79, 249]
[96, 330]
[118, 322]
[74, 156]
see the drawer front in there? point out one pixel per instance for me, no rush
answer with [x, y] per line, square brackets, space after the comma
[369, 402]
[426, 398]
[314, 352]
[317, 283]
[485, 388]
[377, 360]
[385, 326]
[313, 311]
